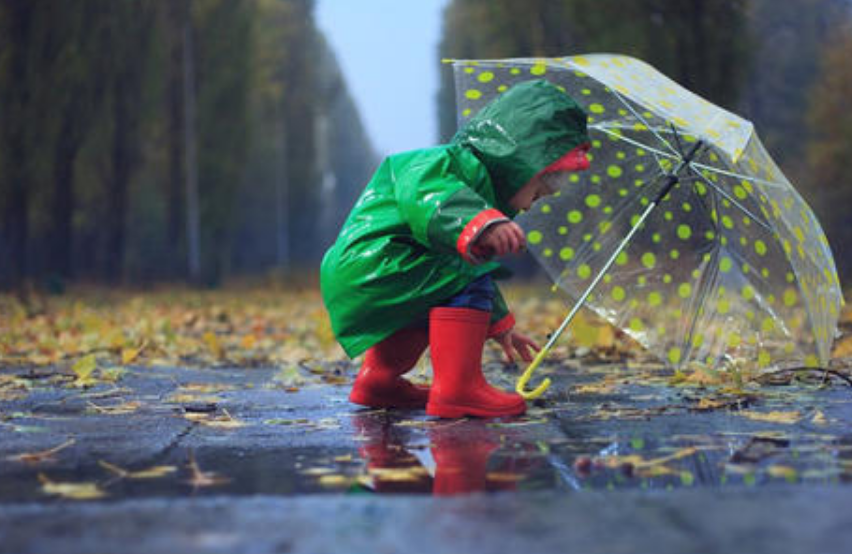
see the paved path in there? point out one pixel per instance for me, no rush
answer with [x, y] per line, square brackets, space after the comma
[227, 460]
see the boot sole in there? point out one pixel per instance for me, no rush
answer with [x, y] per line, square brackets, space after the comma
[454, 411]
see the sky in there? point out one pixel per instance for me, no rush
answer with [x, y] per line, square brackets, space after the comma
[388, 51]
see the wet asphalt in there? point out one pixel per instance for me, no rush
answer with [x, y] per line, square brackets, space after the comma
[248, 460]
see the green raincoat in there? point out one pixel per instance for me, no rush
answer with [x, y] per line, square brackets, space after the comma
[406, 245]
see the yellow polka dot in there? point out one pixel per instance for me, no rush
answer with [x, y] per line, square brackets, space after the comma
[621, 259]
[734, 340]
[684, 231]
[545, 208]
[618, 294]
[723, 307]
[593, 200]
[485, 77]
[539, 69]
[473, 94]
[811, 361]
[584, 271]
[768, 325]
[547, 253]
[684, 290]
[649, 260]
[790, 298]
[764, 358]
[534, 237]
[575, 216]
[637, 325]
[675, 355]
[727, 222]
[760, 247]
[596, 108]
[747, 292]
[725, 264]
[614, 171]
[566, 253]
[655, 298]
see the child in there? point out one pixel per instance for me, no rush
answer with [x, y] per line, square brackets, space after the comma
[412, 265]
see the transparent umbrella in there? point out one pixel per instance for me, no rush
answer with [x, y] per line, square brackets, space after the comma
[684, 233]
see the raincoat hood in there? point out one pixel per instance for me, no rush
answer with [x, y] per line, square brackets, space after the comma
[521, 132]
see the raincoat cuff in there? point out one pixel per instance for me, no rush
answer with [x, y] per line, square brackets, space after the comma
[500, 327]
[474, 229]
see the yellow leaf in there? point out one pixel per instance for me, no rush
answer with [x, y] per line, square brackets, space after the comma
[773, 416]
[83, 369]
[153, 472]
[71, 491]
[129, 355]
[783, 472]
[214, 344]
[248, 342]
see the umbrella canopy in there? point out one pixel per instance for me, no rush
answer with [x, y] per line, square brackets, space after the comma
[730, 269]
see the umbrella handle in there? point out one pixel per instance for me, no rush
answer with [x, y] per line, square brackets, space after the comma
[525, 377]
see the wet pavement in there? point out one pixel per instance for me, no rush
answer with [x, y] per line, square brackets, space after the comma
[614, 459]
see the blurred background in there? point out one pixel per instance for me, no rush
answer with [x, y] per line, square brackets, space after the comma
[201, 141]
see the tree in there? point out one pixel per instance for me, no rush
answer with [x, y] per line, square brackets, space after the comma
[830, 149]
[702, 44]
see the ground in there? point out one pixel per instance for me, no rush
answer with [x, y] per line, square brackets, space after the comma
[219, 422]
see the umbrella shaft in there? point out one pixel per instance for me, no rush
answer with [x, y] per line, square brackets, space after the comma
[671, 180]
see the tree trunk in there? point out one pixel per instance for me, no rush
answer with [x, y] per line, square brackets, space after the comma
[193, 217]
[61, 234]
[118, 184]
[17, 178]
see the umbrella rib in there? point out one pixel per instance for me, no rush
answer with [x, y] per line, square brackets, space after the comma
[738, 175]
[605, 128]
[734, 201]
[644, 121]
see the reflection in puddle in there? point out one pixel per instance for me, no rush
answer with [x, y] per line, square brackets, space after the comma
[446, 458]
[454, 458]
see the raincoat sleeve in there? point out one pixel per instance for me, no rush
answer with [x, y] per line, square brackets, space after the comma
[442, 208]
[502, 319]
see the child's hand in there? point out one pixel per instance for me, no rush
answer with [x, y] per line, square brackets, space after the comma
[520, 343]
[500, 239]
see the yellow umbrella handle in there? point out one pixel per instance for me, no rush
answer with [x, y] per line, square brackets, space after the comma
[525, 377]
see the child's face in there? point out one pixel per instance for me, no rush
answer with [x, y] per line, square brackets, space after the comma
[542, 184]
[536, 188]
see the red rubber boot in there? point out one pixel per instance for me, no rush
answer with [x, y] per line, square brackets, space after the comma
[456, 338]
[379, 383]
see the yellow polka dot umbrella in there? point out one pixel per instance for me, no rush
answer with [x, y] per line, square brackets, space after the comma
[684, 233]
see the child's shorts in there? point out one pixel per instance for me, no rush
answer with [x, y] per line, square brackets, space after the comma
[478, 295]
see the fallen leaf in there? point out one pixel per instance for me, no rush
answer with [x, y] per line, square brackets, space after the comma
[784, 472]
[129, 355]
[119, 409]
[214, 344]
[84, 369]
[153, 472]
[773, 416]
[224, 421]
[71, 491]
[199, 478]
[41, 456]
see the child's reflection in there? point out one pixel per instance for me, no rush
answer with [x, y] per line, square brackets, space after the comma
[461, 452]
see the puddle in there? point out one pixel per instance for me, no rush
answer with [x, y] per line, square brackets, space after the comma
[389, 454]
